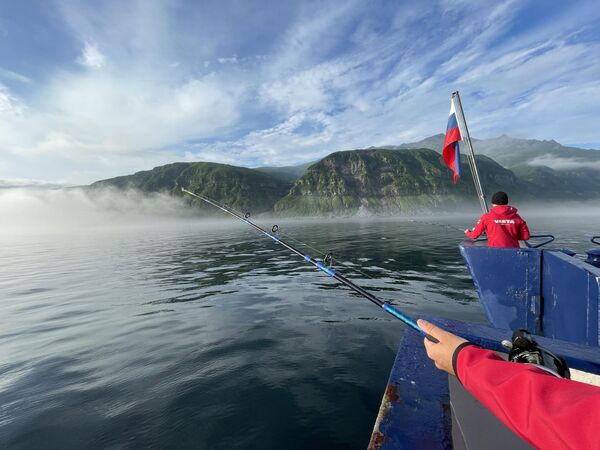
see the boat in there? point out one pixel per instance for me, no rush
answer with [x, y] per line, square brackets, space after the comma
[551, 292]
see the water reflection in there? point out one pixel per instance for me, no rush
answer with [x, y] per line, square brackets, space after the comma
[389, 258]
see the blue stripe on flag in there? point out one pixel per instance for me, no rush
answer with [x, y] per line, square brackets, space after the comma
[457, 159]
[452, 122]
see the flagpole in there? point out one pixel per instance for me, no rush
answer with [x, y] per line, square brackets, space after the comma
[464, 132]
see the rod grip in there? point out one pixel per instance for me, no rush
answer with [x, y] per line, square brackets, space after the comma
[430, 338]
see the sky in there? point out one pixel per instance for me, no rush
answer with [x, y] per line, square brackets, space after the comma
[91, 90]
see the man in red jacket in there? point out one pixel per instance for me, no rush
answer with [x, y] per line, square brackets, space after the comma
[504, 227]
[546, 411]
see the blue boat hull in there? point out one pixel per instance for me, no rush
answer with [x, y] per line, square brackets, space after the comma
[548, 292]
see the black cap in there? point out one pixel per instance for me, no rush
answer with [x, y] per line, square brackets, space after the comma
[500, 198]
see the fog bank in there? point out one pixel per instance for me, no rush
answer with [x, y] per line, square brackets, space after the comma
[56, 209]
[42, 209]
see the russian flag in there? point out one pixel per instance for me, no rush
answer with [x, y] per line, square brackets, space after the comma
[451, 151]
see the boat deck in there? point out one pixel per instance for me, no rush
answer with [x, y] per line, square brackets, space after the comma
[423, 408]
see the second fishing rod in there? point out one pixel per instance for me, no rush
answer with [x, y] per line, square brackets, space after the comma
[319, 265]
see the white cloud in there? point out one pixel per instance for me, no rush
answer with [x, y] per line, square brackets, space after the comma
[559, 163]
[270, 146]
[82, 116]
[9, 104]
[309, 90]
[91, 56]
[14, 76]
[232, 60]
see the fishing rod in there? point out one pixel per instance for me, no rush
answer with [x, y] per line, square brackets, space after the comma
[319, 265]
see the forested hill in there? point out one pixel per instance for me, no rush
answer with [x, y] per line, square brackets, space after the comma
[241, 188]
[384, 181]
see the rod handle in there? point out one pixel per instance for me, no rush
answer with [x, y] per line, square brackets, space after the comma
[408, 321]
[430, 338]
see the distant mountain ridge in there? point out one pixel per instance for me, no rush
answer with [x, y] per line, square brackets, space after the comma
[387, 180]
[30, 184]
[567, 172]
[513, 152]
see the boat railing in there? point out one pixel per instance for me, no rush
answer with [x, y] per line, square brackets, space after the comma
[549, 238]
[481, 242]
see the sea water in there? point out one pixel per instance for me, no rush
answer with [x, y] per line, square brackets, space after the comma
[192, 334]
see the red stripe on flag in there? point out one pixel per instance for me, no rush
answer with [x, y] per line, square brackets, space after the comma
[449, 150]
[452, 136]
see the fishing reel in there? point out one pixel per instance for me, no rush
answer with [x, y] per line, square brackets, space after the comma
[524, 349]
[328, 259]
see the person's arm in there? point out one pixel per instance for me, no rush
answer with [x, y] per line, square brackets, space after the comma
[546, 411]
[524, 231]
[478, 230]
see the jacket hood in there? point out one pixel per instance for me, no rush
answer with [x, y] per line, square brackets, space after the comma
[504, 211]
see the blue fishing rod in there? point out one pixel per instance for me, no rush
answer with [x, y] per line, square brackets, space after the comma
[319, 265]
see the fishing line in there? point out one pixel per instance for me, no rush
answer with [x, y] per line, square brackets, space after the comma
[437, 224]
[332, 255]
[324, 255]
[320, 266]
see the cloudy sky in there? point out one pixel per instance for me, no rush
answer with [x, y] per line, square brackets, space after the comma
[90, 90]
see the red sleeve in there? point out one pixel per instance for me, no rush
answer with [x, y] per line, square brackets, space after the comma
[546, 411]
[523, 231]
[479, 228]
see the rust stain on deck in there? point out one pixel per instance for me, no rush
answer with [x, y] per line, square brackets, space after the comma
[390, 396]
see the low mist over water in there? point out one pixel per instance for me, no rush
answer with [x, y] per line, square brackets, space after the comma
[53, 210]
[127, 322]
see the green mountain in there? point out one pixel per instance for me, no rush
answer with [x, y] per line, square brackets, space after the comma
[390, 180]
[384, 181]
[286, 173]
[238, 187]
[581, 184]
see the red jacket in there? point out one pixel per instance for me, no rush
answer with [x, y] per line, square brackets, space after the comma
[546, 411]
[504, 227]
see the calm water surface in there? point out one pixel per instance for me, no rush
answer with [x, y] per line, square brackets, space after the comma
[205, 335]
